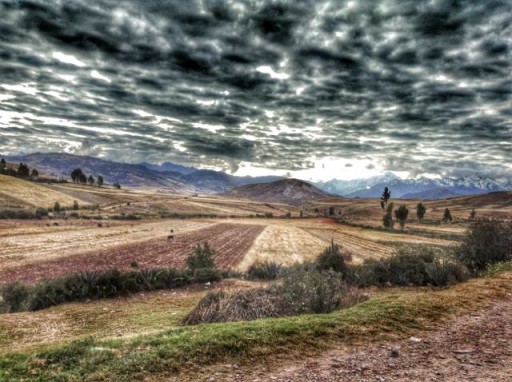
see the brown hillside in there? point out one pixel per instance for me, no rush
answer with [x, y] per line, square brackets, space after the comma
[287, 191]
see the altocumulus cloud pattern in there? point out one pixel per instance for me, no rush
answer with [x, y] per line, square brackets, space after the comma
[418, 86]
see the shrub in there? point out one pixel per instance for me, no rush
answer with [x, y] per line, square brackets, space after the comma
[486, 242]
[446, 272]
[202, 258]
[419, 266]
[14, 296]
[267, 270]
[203, 275]
[95, 285]
[332, 259]
[307, 290]
[304, 290]
[56, 207]
[41, 212]
[16, 214]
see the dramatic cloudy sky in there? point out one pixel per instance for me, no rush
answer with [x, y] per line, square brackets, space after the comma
[318, 88]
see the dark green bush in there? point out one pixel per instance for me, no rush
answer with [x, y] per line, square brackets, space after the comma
[409, 266]
[267, 270]
[17, 214]
[332, 259]
[203, 275]
[98, 285]
[14, 296]
[41, 211]
[305, 289]
[201, 258]
[486, 242]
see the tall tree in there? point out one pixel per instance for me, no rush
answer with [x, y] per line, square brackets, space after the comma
[23, 171]
[99, 181]
[90, 180]
[385, 198]
[2, 164]
[387, 219]
[401, 214]
[82, 178]
[420, 211]
[75, 175]
[447, 216]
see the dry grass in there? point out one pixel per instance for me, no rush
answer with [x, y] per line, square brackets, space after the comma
[32, 194]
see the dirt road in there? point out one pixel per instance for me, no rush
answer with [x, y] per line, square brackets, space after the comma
[474, 347]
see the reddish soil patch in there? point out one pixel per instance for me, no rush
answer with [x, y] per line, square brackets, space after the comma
[230, 242]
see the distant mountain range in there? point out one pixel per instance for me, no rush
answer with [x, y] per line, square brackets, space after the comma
[168, 176]
[181, 179]
[421, 188]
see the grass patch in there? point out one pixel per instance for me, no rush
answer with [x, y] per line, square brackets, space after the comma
[396, 313]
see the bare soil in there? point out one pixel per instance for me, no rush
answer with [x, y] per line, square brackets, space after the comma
[473, 347]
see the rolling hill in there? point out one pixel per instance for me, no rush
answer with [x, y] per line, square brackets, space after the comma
[288, 191]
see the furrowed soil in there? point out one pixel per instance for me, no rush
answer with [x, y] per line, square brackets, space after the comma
[230, 242]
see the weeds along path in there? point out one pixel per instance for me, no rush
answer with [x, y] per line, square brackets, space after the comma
[41, 244]
[230, 241]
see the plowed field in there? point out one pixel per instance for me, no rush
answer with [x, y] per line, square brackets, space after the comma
[230, 241]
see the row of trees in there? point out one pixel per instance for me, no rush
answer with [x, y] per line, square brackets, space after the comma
[78, 176]
[23, 170]
[402, 212]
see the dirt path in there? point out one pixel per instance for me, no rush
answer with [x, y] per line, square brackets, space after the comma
[474, 347]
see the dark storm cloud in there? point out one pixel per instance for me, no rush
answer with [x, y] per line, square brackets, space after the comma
[418, 86]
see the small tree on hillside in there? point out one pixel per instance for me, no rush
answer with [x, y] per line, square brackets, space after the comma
[90, 180]
[332, 211]
[472, 214]
[117, 185]
[420, 211]
[34, 174]
[387, 219]
[447, 216]
[386, 194]
[75, 205]
[56, 207]
[2, 164]
[99, 181]
[401, 215]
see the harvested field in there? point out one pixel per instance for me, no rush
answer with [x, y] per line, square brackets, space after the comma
[359, 249]
[283, 244]
[39, 243]
[229, 241]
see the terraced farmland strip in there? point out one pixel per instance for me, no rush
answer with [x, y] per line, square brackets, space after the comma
[66, 240]
[358, 247]
[230, 241]
[284, 245]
